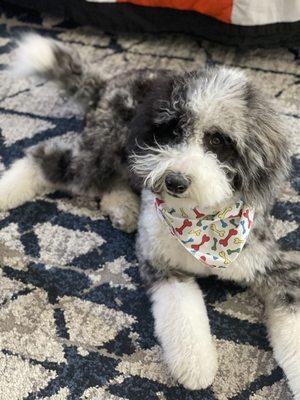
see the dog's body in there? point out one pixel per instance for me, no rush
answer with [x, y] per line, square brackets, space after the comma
[204, 138]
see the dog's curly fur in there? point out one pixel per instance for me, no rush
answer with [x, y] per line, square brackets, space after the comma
[212, 126]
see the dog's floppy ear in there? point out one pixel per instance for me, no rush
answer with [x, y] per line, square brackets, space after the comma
[265, 156]
[155, 120]
[156, 117]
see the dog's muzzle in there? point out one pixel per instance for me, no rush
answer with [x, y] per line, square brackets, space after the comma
[177, 183]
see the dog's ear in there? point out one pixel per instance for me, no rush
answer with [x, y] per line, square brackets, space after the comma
[155, 121]
[156, 117]
[264, 154]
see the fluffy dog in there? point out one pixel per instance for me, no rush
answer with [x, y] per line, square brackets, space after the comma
[202, 142]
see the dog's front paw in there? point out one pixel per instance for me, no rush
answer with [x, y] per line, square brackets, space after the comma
[195, 370]
[122, 207]
[123, 219]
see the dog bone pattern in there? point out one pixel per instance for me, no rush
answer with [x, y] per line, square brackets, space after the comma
[243, 226]
[220, 232]
[200, 224]
[223, 255]
[232, 232]
[196, 232]
[183, 213]
[233, 251]
[198, 213]
[215, 232]
[223, 213]
[238, 241]
[232, 221]
[190, 240]
[214, 247]
[205, 239]
[223, 223]
[186, 223]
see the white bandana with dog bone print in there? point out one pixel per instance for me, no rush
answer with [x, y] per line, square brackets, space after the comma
[215, 239]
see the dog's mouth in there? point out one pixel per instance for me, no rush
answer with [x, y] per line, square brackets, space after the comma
[159, 193]
[177, 196]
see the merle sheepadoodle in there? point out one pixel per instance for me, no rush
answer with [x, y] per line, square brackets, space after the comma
[208, 153]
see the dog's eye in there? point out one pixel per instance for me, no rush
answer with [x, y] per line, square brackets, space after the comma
[219, 143]
[216, 140]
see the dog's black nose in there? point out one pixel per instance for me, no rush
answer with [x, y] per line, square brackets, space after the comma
[177, 183]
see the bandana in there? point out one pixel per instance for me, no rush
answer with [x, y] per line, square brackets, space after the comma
[215, 239]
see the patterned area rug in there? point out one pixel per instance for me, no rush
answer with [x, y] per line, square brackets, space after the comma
[75, 322]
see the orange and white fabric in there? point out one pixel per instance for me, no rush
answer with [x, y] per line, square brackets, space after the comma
[237, 12]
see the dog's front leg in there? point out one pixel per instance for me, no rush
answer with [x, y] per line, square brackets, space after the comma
[122, 205]
[182, 327]
[283, 323]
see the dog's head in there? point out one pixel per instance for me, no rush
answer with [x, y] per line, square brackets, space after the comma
[208, 136]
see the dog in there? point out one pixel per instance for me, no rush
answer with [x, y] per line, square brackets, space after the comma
[208, 154]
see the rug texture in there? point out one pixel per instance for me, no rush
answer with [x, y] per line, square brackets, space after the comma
[75, 322]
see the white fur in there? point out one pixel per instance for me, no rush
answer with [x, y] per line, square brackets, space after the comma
[34, 55]
[20, 183]
[284, 332]
[182, 326]
[226, 87]
[225, 83]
